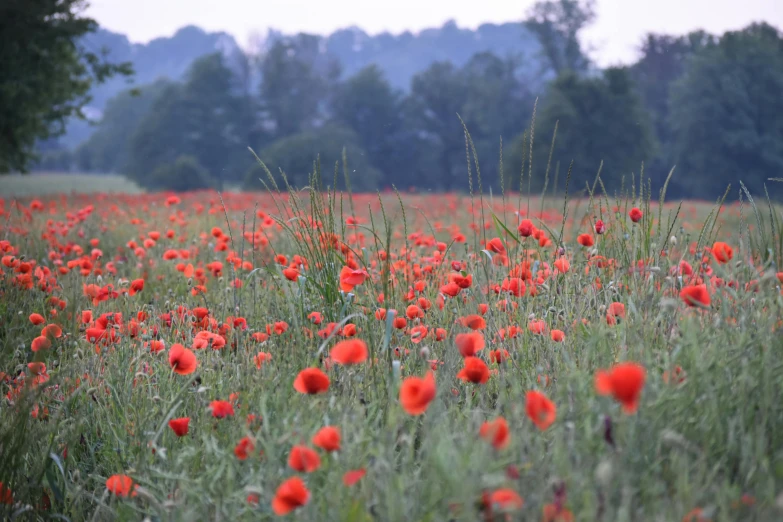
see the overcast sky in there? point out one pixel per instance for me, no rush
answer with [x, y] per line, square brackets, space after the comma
[613, 39]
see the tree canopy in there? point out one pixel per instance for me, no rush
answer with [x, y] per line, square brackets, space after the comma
[45, 73]
[726, 114]
[709, 105]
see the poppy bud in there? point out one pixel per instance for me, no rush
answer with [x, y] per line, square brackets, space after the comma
[604, 472]
[600, 227]
[608, 437]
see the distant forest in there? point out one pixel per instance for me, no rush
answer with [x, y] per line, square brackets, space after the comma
[709, 104]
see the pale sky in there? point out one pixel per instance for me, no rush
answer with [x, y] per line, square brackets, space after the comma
[613, 39]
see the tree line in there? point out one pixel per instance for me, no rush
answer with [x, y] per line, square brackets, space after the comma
[709, 104]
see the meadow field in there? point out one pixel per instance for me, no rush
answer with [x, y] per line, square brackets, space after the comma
[51, 183]
[324, 356]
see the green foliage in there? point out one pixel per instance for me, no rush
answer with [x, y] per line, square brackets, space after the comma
[204, 117]
[696, 101]
[54, 160]
[184, 174]
[557, 24]
[160, 136]
[294, 84]
[598, 120]
[297, 154]
[663, 61]
[437, 96]
[725, 114]
[399, 56]
[45, 74]
[497, 104]
[107, 150]
[367, 104]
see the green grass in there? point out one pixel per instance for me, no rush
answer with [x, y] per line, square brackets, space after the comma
[46, 183]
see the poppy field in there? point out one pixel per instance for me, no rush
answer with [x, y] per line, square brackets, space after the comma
[370, 357]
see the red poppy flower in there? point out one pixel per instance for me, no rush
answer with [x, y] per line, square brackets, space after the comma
[137, 285]
[498, 356]
[624, 382]
[353, 351]
[562, 265]
[180, 426]
[6, 495]
[206, 339]
[496, 245]
[36, 368]
[496, 432]
[526, 228]
[696, 295]
[182, 360]
[350, 278]
[243, 448]
[586, 240]
[311, 381]
[616, 310]
[475, 371]
[676, 376]
[292, 274]
[221, 409]
[52, 331]
[537, 326]
[40, 343]
[327, 438]
[417, 393]
[290, 495]
[635, 214]
[304, 459]
[556, 513]
[722, 252]
[352, 477]
[514, 286]
[540, 409]
[281, 327]
[503, 499]
[37, 319]
[695, 515]
[260, 358]
[414, 312]
[469, 344]
[462, 281]
[121, 485]
[474, 322]
[418, 333]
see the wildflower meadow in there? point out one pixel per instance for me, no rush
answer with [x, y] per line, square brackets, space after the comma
[312, 354]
